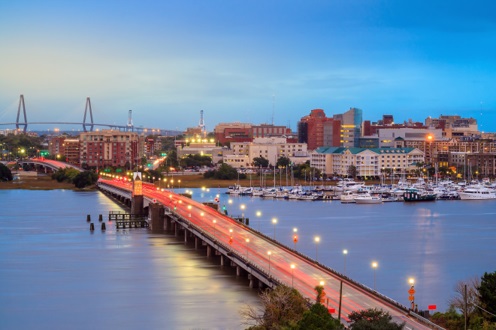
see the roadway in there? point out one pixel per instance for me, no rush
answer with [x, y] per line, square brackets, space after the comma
[254, 247]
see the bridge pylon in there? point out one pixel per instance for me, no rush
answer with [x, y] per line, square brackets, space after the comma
[86, 108]
[23, 105]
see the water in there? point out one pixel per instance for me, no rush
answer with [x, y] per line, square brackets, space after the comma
[56, 274]
[437, 243]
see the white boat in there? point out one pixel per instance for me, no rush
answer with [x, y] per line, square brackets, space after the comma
[348, 185]
[477, 193]
[348, 197]
[368, 200]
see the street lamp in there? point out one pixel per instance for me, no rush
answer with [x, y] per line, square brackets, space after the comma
[292, 274]
[295, 237]
[230, 236]
[247, 240]
[269, 253]
[374, 266]
[411, 291]
[274, 221]
[345, 253]
[317, 241]
[258, 214]
[242, 207]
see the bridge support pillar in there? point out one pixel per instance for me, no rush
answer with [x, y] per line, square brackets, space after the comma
[209, 251]
[137, 205]
[222, 260]
[238, 271]
[196, 243]
[185, 235]
[168, 224]
[176, 230]
[157, 217]
[252, 281]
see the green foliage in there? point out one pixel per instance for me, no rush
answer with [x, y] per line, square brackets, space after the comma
[5, 173]
[283, 162]
[224, 172]
[352, 171]
[317, 318]
[487, 294]
[449, 320]
[84, 179]
[373, 319]
[260, 162]
[196, 161]
[65, 174]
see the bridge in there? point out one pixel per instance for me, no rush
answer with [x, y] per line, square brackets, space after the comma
[47, 164]
[265, 262]
[87, 124]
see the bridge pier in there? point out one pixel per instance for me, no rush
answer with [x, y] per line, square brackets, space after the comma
[196, 242]
[157, 217]
[185, 236]
[209, 251]
[222, 260]
[137, 205]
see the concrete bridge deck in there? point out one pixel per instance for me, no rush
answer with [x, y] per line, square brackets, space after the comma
[249, 249]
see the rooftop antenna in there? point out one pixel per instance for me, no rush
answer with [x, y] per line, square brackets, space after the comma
[130, 126]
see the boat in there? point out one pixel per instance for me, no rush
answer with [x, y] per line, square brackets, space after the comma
[368, 200]
[477, 193]
[416, 195]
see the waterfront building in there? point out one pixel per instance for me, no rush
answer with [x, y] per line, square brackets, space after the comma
[244, 132]
[317, 130]
[454, 126]
[351, 127]
[71, 151]
[271, 149]
[110, 148]
[368, 162]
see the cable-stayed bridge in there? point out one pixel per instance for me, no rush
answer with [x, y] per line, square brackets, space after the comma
[88, 124]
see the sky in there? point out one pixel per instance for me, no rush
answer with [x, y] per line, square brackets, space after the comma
[258, 61]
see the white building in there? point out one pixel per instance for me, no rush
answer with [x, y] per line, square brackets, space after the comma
[368, 162]
[271, 149]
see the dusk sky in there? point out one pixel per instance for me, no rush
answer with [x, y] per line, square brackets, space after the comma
[247, 61]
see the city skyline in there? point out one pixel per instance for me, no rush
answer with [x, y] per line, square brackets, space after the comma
[247, 61]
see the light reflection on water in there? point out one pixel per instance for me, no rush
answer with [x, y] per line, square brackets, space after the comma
[54, 273]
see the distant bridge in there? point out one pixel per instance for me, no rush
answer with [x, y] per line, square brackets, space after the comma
[53, 165]
[86, 125]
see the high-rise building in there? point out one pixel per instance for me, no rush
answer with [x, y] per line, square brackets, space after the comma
[318, 130]
[351, 127]
[110, 148]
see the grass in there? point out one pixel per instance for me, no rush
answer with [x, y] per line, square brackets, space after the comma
[36, 183]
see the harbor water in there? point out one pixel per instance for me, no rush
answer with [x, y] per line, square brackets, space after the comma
[55, 273]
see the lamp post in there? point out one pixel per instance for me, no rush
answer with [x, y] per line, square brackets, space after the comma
[295, 237]
[247, 240]
[411, 293]
[269, 253]
[317, 241]
[374, 266]
[274, 221]
[292, 274]
[242, 207]
[259, 214]
[345, 253]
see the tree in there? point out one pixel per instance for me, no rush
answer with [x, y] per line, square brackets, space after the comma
[283, 162]
[282, 307]
[458, 301]
[84, 179]
[487, 292]
[260, 162]
[5, 173]
[352, 171]
[318, 317]
[372, 319]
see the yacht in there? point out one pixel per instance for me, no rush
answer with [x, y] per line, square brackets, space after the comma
[368, 199]
[477, 193]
